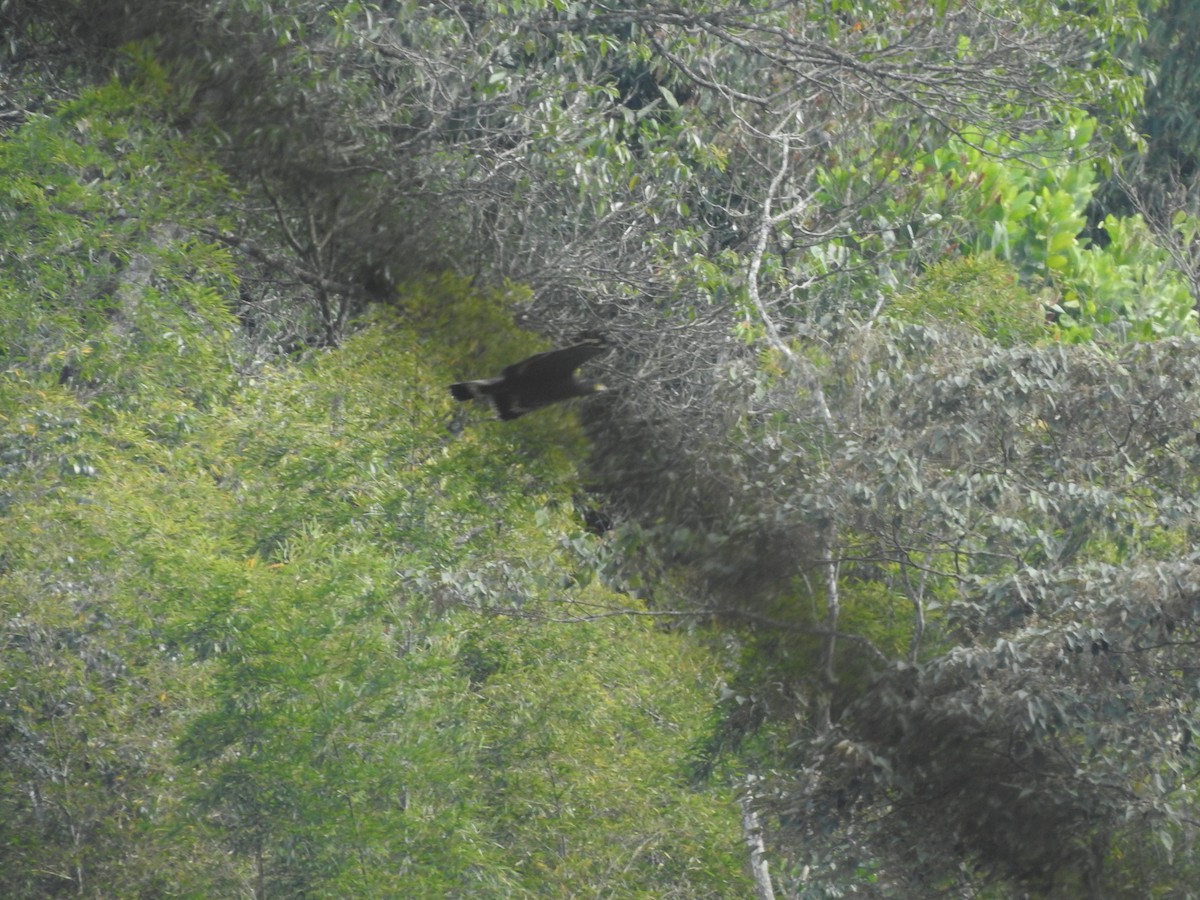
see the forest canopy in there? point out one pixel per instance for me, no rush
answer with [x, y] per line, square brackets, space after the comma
[872, 574]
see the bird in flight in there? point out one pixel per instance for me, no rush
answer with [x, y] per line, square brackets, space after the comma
[538, 381]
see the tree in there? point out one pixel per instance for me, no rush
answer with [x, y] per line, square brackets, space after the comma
[608, 157]
[904, 521]
[997, 543]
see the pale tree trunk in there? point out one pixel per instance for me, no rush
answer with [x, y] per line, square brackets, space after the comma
[752, 834]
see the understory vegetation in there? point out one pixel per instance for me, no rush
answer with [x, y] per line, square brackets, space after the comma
[872, 574]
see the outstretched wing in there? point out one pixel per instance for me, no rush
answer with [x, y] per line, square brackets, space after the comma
[554, 365]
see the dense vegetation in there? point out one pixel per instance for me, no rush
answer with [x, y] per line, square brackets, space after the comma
[874, 575]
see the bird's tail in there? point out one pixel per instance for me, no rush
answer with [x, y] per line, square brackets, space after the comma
[469, 390]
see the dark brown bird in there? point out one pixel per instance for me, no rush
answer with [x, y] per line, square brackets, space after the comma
[538, 381]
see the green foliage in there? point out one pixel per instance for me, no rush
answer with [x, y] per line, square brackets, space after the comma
[340, 648]
[342, 591]
[556, 768]
[982, 507]
[1031, 212]
[1167, 118]
[1025, 200]
[262, 656]
[107, 286]
[978, 293]
[1132, 285]
[990, 483]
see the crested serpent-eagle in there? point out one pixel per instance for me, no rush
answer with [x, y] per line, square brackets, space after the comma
[538, 381]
